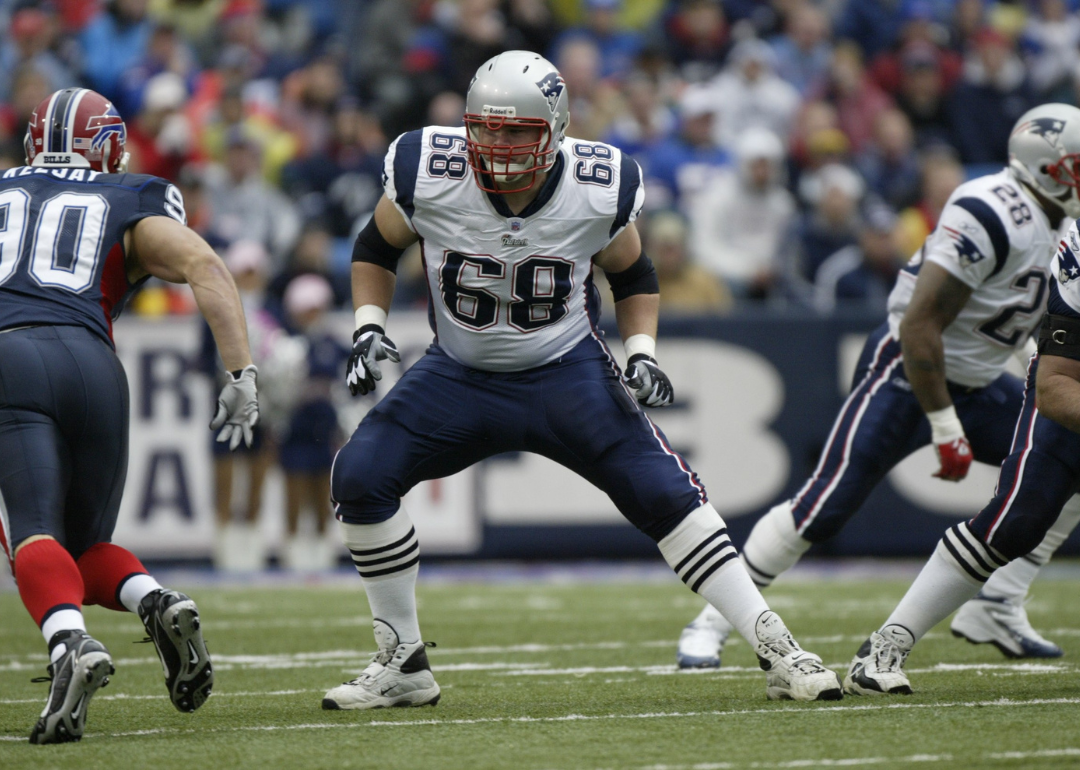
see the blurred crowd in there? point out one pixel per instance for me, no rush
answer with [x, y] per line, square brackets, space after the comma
[796, 152]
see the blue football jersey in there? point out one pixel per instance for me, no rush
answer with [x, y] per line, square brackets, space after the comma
[61, 243]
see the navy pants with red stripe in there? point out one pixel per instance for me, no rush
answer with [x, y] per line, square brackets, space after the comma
[881, 423]
[1037, 478]
[441, 417]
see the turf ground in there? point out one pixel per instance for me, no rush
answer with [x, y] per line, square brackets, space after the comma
[554, 674]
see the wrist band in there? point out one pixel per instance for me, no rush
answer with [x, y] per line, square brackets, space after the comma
[370, 314]
[945, 426]
[640, 343]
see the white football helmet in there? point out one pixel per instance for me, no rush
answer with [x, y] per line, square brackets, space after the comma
[1044, 153]
[516, 88]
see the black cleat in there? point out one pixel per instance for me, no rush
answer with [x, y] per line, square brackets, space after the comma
[172, 621]
[84, 668]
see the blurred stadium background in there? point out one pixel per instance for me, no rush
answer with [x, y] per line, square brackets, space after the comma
[796, 152]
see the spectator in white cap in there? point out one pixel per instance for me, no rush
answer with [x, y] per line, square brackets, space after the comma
[160, 138]
[739, 220]
[678, 169]
[749, 94]
[833, 194]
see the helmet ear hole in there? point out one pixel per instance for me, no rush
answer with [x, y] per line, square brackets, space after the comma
[1044, 169]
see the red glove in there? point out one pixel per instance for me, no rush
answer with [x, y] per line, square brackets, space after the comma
[955, 458]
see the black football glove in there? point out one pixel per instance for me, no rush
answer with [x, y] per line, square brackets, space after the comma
[370, 345]
[650, 385]
[237, 408]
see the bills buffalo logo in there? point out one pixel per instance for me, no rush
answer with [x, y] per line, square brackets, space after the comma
[966, 250]
[1068, 269]
[552, 87]
[1048, 128]
[107, 125]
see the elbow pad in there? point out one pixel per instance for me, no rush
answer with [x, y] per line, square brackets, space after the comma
[1059, 335]
[639, 278]
[371, 247]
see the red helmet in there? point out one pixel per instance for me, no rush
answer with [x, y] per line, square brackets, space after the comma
[77, 128]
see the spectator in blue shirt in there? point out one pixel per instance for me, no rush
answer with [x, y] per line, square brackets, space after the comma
[617, 47]
[681, 166]
[803, 52]
[993, 94]
[112, 42]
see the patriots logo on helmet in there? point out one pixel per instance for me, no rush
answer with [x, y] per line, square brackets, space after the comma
[552, 87]
[1068, 267]
[966, 250]
[1048, 128]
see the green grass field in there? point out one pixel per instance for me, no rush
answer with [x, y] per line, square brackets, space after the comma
[551, 675]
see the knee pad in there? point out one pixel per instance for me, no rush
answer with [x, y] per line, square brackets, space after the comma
[357, 488]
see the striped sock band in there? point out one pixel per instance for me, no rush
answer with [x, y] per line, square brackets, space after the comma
[387, 556]
[698, 547]
[969, 553]
[397, 556]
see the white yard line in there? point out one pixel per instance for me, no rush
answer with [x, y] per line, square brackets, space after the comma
[804, 712]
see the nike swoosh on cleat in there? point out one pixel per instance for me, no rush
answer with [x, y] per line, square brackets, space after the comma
[78, 706]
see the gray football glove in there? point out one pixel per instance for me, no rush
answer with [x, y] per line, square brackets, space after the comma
[650, 385]
[237, 408]
[370, 345]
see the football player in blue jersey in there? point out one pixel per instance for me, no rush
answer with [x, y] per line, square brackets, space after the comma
[934, 374]
[77, 233]
[1041, 473]
[512, 215]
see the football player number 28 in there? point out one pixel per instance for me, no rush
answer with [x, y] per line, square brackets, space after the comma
[539, 286]
[66, 241]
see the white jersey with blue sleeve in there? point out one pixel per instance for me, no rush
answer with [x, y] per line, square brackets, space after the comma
[996, 239]
[1065, 269]
[510, 292]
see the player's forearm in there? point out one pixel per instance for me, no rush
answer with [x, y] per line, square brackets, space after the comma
[637, 314]
[1057, 395]
[219, 303]
[372, 285]
[924, 365]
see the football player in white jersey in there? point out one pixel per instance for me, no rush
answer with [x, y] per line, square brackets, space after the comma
[511, 215]
[934, 373]
[1036, 480]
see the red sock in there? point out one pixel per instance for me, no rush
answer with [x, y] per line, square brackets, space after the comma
[104, 569]
[48, 579]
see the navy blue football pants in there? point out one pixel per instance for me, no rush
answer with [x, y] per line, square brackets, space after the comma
[881, 423]
[1038, 477]
[63, 436]
[442, 417]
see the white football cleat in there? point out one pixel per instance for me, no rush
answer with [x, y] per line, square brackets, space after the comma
[791, 673]
[877, 668]
[398, 675]
[702, 641]
[988, 620]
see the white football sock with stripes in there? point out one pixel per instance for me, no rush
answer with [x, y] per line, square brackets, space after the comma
[387, 556]
[955, 572]
[703, 557]
[1013, 581]
[774, 546]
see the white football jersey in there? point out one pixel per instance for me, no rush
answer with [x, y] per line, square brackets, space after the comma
[994, 237]
[1065, 268]
[510, 292]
